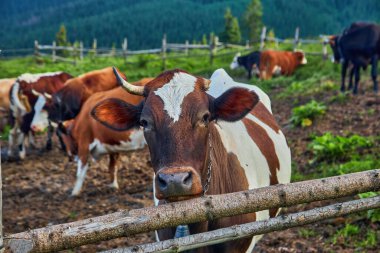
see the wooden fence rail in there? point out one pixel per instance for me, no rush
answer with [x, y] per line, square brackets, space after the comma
[126, 223]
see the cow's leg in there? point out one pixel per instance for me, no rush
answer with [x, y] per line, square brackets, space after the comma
[21, 145]
[81, 169]
[49, 143]
[344, 71]
[61, 142]
[352, 70]
[374, 60]
[357, 78]
[12, 138]
[113, 170]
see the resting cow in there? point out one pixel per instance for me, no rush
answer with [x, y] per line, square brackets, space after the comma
[275, 62]
[205, 142]
[5, 86]
[85, 137]
[67, 102]
[360, 45]
[22, 105]
[250, 62]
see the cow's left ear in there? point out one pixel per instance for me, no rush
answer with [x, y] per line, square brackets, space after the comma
[234, 104]
[116, 114]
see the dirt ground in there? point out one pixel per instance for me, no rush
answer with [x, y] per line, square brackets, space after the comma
[36, 192]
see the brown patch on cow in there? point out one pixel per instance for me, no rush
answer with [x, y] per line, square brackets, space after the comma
[266, 146]
[262, 113]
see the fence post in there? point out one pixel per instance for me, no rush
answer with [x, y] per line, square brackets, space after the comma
[296, 38]
[276, 43]
[213, 48]
[163, 51]
[262, 38]
[53, 52]
[324, 49]
[187, 47]
[247, 44]
[81, 50]
[36, 53]
[125, 48]
[94, 45]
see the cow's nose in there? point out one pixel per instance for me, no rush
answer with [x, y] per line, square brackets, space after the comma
[175, 184]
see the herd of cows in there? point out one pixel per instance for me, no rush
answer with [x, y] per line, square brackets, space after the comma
[209, 136]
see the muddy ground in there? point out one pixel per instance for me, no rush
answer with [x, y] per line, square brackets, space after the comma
[36, 192]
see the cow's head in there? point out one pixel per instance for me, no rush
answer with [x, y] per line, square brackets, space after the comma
[235, 62]
[300, 56]
[333, 41]
[40, 119]
[176, 115]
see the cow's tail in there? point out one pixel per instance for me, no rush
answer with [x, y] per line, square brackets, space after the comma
[14, 97]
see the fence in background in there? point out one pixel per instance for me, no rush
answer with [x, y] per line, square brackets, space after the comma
[76, 53]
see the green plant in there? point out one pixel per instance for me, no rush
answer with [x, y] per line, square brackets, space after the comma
[304, 114]
[370, 240]
[345, 233]
[372, 215]
[306, 233]
[5, 134]
[329, 147]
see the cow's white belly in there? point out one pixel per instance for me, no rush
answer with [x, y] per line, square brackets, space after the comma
[137, 141]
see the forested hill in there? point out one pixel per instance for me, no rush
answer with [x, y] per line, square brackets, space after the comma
[144, 22]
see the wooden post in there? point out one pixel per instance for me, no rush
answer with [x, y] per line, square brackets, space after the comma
[36, 53]
[276, 43]
[262, 38]
[213, 49]
[296, 38]
[81, 50]
[187, 47]
[124, 46]
[247, 44]
[94, 45]
[163, 50]
[324, 49]
[53, 52]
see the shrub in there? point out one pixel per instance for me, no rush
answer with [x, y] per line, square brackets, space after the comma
[305, 114]
[333, 148]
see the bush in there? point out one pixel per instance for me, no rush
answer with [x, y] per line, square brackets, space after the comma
[333, 148]
[304, 114]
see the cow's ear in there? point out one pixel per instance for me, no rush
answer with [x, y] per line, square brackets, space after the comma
[234, 104]
[116, 114]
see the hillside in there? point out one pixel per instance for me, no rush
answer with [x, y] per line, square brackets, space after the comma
[144, 22]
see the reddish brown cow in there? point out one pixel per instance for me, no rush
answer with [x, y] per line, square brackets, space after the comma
[276, 62]
[5, 86]
[221, 141]
[23, 101]
[84, 136]
[67, 102]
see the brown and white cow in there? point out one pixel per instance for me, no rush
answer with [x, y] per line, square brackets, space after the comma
[85, 137]
[67, 102]
[23, 101]
[280, 62]
[5, 86]
[225, 132]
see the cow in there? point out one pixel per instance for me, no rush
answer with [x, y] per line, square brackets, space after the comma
[283, 62]
[204, 137]
[22, 105]
[66, 103]
[85, 137]
[359, 45]
[250, 62]
[5, 86]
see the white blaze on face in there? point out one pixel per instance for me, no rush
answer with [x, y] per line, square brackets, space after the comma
[234, 64]
[40, 119]
[174, 92]
[304, 60]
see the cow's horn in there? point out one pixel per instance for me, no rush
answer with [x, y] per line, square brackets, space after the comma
[207, 83]
[35, 93]
[133, 89]
[47, 95]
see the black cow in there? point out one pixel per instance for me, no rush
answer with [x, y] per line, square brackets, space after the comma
[250, 62]
[360, 45]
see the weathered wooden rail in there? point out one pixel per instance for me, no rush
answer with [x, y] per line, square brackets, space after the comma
[126, 223]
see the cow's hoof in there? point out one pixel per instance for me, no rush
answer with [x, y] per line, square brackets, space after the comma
[49, 146]
[114, 185]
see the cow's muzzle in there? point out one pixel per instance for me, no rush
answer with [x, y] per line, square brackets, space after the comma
[177, 183]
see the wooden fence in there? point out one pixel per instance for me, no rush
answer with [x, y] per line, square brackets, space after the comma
[126, 223]
[167, 50]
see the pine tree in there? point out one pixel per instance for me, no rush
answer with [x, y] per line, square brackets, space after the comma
[231, 31]
[253, 19]
[204, 39]
[61, 39]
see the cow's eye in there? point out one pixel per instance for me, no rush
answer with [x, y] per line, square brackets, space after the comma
[144, 123]
[206, 118]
